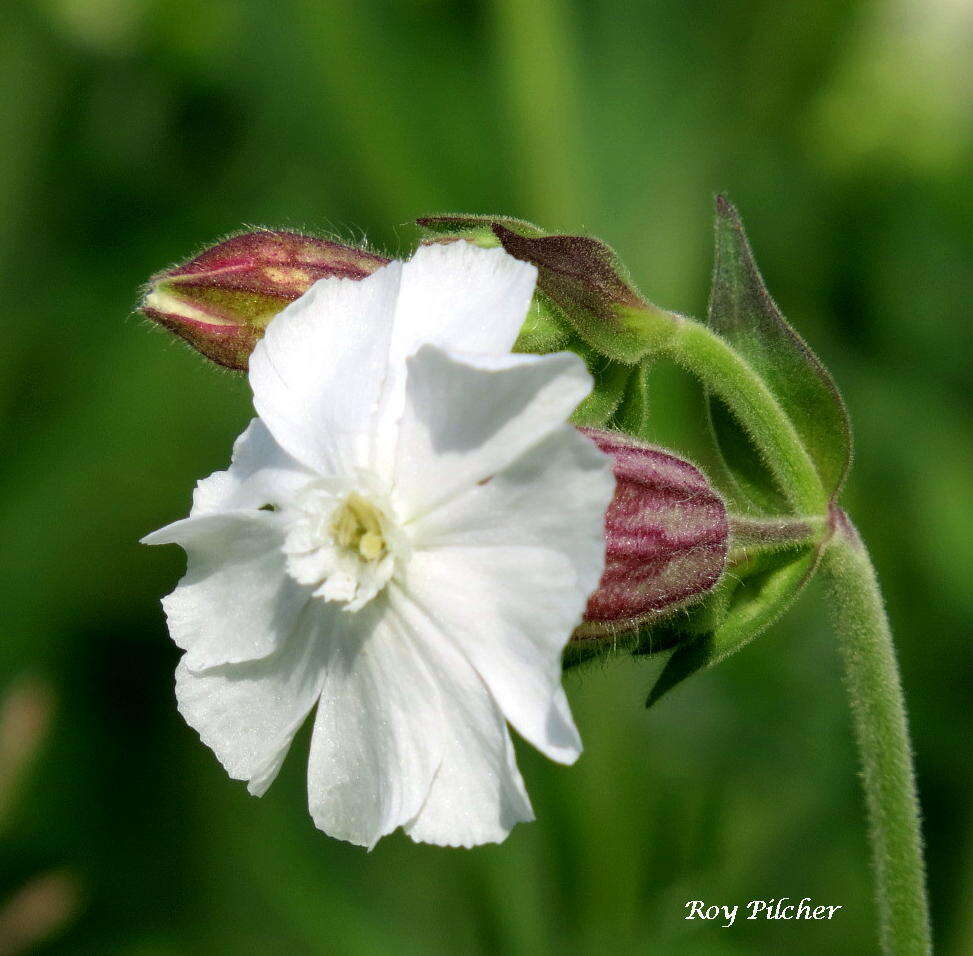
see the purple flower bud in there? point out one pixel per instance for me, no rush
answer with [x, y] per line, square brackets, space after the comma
[221, 301]
[667, 537]
[579, 282]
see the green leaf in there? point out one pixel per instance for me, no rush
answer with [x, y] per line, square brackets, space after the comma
[742, 311]
[756, 593]
[745, 481]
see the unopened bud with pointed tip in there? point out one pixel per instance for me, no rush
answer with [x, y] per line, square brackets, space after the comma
[580, 283]
[667, 538]
[221, 300]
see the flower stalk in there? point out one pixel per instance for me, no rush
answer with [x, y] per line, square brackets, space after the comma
[882, 734]
[729, 377]
[871, 671]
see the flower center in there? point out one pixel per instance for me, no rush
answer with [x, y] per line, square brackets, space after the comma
[357, 526]
[344, 544]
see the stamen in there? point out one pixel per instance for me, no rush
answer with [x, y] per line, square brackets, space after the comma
[356, 526]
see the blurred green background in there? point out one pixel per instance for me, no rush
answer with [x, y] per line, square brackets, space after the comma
[135, 131]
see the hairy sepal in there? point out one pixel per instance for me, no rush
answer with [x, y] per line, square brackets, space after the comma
[667, 540]
[756, 591]
[221, 300]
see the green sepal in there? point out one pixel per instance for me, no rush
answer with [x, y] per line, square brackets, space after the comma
[679, 625]
[742, 312]
[542, 331]
[475, 228]
[605, 397]
[754, 595]
[585, 284]
[632, 414]
[663, 634]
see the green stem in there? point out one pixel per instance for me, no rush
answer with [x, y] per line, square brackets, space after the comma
[872, 676]
[729, 376]
[752, 536]
[878, 709]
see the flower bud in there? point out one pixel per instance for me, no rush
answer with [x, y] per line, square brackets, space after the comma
[667, 538]
[221, 301]
[580, 281]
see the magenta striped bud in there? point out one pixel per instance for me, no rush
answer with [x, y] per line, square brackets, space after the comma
[221, 301]
[667, 537]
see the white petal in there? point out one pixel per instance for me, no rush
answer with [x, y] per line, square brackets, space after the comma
[477, 795]
[468, 417]
[459, 296]
[248, 713]
[505, 571]
[261, 473]
[378, 736]
[235, 602]
[318, 371]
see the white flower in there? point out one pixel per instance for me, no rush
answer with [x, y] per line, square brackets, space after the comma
[406, 537]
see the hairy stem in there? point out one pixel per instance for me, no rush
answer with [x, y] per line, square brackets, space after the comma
[729, 376]
[752, 536]
[878, 710]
